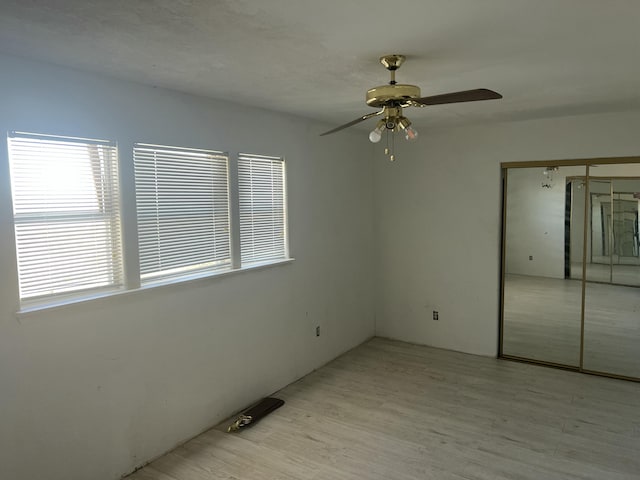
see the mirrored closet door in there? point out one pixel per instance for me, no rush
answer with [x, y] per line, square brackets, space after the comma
[612, 293]
[543, 265]
[571, 265]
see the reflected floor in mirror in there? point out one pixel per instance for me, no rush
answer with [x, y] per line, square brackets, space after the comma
[542, 319]
[389, 410]
[542, 322]
[600, 272]
[612, 329]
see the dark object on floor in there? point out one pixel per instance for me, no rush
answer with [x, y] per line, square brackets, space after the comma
[255, 413]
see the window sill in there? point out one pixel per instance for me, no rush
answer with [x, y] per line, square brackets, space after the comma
[28, 310]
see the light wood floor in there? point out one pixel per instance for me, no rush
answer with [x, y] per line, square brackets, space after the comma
[392, 411]
[542, 322]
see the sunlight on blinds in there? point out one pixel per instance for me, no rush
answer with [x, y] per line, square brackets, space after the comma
[66, 214]
[182, 197]
[262, 193]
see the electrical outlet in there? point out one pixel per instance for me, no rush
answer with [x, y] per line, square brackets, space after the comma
[435, 315]
[530, 257]
[318, 331]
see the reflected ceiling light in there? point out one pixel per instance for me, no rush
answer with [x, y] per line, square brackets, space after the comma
[547, 176]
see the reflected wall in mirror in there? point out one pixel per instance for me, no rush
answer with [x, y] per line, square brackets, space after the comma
[543, 238]
[613, 239]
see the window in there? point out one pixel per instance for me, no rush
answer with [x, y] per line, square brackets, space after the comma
[66, 215]
[182, 198]
[66, 210]
[263, 223]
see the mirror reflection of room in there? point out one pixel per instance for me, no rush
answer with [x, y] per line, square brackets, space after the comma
[542, 300]
[556, 218]
[612, 296]
[613, 239]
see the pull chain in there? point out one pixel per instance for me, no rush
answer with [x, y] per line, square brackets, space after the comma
[386, 149]
[392, 157]
[390, 148]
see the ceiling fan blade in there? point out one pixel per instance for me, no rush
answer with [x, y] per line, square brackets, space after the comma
[353, 122]
[457, 97]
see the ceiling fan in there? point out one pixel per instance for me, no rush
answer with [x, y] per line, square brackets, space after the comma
[392, 98]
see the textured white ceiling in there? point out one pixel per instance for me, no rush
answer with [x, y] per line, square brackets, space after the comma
[317, 58]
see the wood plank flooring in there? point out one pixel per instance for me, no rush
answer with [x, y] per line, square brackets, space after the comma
[388, 410]
[542, 318]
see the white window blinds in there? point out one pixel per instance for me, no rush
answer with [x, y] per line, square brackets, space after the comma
[262, 196]
[182, 198]
[66, 214]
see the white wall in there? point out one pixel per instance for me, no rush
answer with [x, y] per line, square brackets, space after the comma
[438, 220]
[93, 390]
[535, 222]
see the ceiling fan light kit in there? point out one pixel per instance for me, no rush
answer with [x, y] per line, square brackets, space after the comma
[392, 98]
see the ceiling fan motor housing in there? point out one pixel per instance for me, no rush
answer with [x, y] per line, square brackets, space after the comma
[385, 95]
[392, 98]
